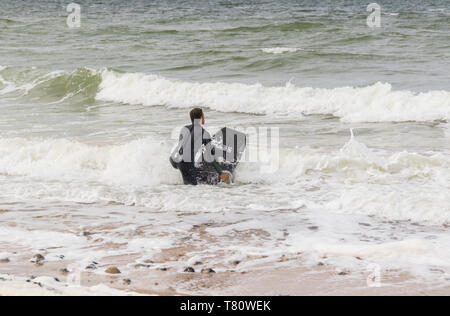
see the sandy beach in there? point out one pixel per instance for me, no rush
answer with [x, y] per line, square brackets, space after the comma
[288, 278]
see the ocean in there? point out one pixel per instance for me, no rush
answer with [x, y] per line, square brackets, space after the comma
[360, 175]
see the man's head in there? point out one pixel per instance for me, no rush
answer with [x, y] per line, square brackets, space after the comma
[197, 115]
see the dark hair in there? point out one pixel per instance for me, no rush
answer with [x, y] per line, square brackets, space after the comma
[196, 114]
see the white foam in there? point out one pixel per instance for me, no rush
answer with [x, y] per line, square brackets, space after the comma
[141, 161]
[40, 239]
[47, 286]
[376, 103]
[379, 183]
[397, 186]
[353, 159]
[261, 215]
[414, 255]
[147, 159]
[280, 50]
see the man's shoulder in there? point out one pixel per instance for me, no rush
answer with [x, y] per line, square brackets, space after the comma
[187, 128]
[190, 128]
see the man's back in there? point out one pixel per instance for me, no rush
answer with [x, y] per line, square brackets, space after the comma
[195, 140]
[192, 138]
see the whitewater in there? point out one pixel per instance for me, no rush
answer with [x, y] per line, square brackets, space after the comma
[359, 117]
[375, 103]
[339, 161]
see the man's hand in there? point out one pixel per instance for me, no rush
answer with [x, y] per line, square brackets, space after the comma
[225, 176]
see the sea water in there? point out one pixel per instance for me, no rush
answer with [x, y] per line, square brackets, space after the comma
[89, 116]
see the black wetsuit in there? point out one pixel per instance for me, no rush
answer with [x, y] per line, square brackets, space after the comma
[194, 137]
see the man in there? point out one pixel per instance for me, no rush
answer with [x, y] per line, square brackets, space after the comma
[185, 157]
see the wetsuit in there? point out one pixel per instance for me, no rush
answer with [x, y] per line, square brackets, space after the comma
[192, 139]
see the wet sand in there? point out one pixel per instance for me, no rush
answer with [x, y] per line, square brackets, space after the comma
[22, 277]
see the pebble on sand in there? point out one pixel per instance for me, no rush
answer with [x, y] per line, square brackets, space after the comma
[140, 265]
[38, 259]
[189, 270]
[127, 281]
[91, 267]
[343, 272]
[208, 271]
[113, 270]
[284, 258]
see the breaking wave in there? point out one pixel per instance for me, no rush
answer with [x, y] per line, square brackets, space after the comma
[140, 162]
[376, 183]
[146, 159]
[375, 103]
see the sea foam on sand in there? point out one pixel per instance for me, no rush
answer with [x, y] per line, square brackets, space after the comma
[47, 286]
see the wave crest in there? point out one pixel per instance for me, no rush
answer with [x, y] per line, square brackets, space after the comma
[56, 86]
[280, 50]
[140, 162]
[376, 103]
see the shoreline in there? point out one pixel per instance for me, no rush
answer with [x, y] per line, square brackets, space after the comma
[23, 277]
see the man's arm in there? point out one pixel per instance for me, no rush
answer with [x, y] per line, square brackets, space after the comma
[177, 153]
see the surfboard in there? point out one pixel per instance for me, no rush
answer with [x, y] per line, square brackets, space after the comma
[229, 146]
